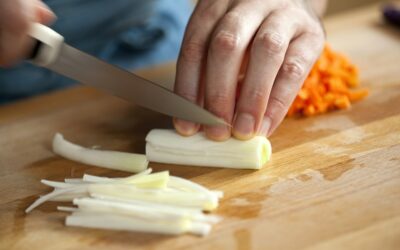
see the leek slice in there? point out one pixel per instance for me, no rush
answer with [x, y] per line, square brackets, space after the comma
[167, 146]
[120, 222]
[67, 209]
[98, 179]
[186, 185]
[144, 210]
[192, 213]
[168, 196]
[101, 158]
[156, 180]
[55, 193]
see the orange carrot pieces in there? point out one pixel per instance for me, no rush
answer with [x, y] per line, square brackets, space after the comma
[328, 86]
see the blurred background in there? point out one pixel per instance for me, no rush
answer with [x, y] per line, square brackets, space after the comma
[340, 5]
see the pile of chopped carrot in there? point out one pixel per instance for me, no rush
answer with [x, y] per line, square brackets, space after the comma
[328, 86]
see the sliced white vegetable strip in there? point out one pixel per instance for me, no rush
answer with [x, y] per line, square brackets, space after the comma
[156, 180]
[58, 184]
[138, 175]
[74, 181]
[99, 179]
[52, 195]
[101, 158]
[161, 206]
[70, 196]
[183, 184]
[148, 211]
[67, 209]
[118, 222]
[200, 228]
[96, 179]
[206, 202]
[167, 146]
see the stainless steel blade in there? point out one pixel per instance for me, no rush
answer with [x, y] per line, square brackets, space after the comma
[91, 71]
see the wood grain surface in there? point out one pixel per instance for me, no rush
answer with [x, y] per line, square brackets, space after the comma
[333, 182]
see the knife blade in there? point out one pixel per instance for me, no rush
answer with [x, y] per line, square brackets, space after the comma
[52, 53]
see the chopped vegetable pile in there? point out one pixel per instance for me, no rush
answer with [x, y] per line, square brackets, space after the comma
[145, 202]
[328, 86]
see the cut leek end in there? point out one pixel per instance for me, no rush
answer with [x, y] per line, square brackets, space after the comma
[266, 151]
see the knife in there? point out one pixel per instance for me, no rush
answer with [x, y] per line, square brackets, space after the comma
[52, 53]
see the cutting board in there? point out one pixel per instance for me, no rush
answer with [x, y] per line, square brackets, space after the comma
[333, 181]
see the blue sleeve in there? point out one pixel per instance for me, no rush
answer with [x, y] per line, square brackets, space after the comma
[127, 33]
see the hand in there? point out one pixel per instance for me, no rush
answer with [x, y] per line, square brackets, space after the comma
[16, 17]
[281, 39]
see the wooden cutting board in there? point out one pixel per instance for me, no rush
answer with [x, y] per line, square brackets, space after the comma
[333, 182]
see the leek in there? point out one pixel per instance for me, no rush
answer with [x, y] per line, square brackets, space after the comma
[101, 158]
[167, 146]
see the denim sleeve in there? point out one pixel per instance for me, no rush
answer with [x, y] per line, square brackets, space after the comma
[127, 33]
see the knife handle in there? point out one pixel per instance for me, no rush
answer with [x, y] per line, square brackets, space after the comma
[47, 46]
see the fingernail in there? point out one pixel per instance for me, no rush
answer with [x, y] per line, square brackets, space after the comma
[244, 126]
[185, 128]
[265, 126]
[218, 133]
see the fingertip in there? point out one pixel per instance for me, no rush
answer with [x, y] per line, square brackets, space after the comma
[45, 14]
[243, 126]
[185, 128]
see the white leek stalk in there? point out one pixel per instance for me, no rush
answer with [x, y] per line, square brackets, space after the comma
[120, 222]
[167, 146]
[101, 158]
[190, 199]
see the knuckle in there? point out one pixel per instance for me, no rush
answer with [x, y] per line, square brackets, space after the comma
[294, 68]
[315, 32]
[278, 103]
[219, 99]
[225, 42]
[188, 94]
[192, 51]
[256, 97]
[271, 42]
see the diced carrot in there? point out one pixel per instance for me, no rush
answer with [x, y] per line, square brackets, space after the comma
[342, 102]
[310, 110]
[358, 95]
[328, 86]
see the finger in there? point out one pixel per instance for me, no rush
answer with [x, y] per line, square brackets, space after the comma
[226, 51]
[15, 20]
[266, 57]
[43, 13]
[301, 55]
[18, 15]
[192, 56]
